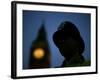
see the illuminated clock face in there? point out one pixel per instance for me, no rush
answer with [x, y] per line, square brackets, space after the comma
[38, 53]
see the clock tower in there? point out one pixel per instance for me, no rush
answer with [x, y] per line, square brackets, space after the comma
[39, 52]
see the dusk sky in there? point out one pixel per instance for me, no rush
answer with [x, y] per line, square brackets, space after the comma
[32, 21]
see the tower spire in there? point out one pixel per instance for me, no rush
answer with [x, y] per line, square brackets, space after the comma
[40, 46]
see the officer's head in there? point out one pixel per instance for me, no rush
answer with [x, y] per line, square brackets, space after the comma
[68, 39]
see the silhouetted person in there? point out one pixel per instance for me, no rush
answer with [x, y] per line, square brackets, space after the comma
[70, 43]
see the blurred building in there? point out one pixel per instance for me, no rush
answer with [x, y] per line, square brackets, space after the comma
[39, 52]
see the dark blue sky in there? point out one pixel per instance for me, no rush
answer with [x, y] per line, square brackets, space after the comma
[32, 21]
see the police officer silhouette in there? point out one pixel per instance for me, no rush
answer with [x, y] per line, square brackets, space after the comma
[70, 44]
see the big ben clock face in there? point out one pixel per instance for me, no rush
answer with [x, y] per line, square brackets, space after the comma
[38, 53]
